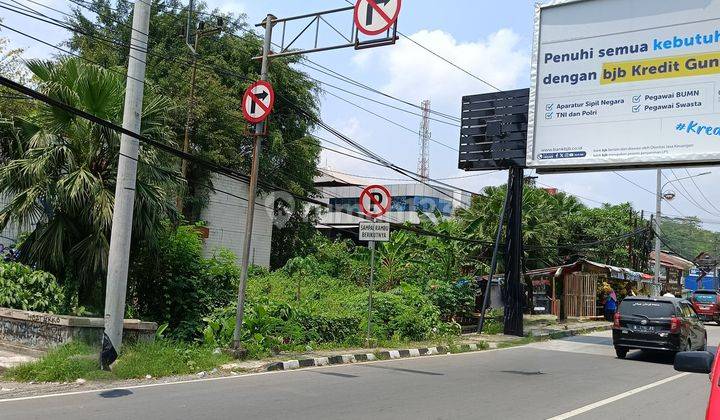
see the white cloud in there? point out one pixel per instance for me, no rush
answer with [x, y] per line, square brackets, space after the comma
[352, 127]
[416, 74]
[233, 7]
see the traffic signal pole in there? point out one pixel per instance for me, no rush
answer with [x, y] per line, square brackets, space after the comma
[121, 233]
[252, 191]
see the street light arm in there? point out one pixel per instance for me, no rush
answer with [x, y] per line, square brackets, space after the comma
[680, 179]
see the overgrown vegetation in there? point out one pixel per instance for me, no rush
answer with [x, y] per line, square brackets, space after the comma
[688, 238]
[160, 358]
[175, 284]
[31, 290]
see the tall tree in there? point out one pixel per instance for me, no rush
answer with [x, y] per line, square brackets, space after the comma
[11, 66]
[688, 238]
[62, 178]
[605, 228]
[225, 69]
[544, 218]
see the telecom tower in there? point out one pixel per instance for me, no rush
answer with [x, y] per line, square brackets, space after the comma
[424, 158]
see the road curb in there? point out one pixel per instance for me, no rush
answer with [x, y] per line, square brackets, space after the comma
[369, 357]
[555, 334]
[416, 352]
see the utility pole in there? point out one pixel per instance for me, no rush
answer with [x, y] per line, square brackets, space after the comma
[199, 32]
[121, 233]
[658, 209]
[191, 106]
[252, 191]
[424, 158]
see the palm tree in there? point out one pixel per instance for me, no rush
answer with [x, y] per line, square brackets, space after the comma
[543, 221]
[62, 175]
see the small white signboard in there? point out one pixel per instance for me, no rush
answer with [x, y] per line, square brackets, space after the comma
[377, 232]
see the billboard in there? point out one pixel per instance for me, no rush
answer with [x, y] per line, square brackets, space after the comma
[632, 83]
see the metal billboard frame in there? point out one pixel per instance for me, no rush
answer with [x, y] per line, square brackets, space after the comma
[532, 113]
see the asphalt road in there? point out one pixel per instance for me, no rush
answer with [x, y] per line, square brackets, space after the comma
[577, 378]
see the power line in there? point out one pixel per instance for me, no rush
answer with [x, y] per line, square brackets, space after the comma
[444, 59]
[202, 162]
[332, 73]
[324, 83]
[406, 128]
[692, 178]
[449, 62]
[648, 191]
[311, 116]
[405, 179]
[687, 194]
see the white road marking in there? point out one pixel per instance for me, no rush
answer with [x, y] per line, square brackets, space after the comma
[611, 400]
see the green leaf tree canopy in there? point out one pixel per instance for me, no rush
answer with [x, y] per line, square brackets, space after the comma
[225, 69]
[61, 176]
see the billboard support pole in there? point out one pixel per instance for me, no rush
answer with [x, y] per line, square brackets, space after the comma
[514, 296]
[493, 261]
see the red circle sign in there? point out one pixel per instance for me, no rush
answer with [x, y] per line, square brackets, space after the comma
[258, 101]
[373, 17]
[375, 201]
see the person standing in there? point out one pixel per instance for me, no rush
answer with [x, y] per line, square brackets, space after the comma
[610, 306]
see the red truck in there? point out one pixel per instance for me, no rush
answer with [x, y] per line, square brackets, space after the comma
[707, 305]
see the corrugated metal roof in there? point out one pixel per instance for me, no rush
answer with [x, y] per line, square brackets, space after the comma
[672, 261]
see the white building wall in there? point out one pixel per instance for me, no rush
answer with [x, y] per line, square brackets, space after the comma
[225, 216]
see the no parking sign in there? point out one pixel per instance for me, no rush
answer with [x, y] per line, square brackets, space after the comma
[375, 201]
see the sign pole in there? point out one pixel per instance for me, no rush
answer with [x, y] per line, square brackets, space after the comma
[375, 201]
[252, 191]
[371, 244]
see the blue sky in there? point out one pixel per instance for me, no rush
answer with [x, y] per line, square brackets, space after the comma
[491, 39]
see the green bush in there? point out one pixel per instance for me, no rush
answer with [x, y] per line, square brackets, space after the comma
[327, 328]
[178, 286]
[264, 330]
[452, 298]
[21, 287]
[403, 312]
[493, 322]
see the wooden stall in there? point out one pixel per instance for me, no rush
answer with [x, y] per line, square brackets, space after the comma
[574, 287]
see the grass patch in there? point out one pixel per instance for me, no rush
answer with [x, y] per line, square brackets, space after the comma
[519, 342]
[66, 363]
[77, 360]
[164, 358]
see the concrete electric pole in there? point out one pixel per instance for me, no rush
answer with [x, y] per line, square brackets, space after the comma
[252, 191]
[121, 233]
[658, 207]
[424, 159]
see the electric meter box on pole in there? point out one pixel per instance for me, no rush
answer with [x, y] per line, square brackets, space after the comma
[624, 83]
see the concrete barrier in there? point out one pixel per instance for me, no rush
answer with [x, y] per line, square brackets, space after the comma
[43, 331]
